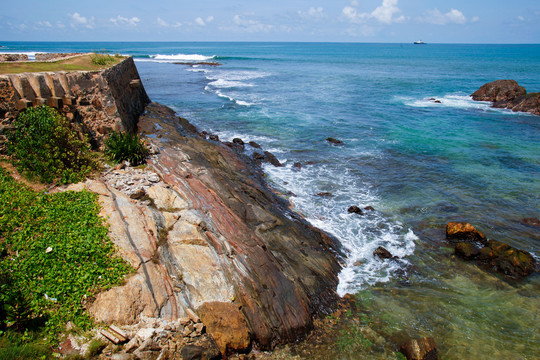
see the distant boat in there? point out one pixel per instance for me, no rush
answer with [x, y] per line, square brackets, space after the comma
[419, 42]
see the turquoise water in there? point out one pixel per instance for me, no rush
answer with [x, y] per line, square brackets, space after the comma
[420, 164]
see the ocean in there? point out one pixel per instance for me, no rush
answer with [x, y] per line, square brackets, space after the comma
[419, 163]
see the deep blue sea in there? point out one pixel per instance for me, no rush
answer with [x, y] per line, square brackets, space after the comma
[418, 162]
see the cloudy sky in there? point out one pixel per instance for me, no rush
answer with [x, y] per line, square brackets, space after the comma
[436, 21]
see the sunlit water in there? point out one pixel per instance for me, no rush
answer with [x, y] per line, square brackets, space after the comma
[419, 163]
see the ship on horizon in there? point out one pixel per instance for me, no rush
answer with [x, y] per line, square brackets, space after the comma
[419, 42]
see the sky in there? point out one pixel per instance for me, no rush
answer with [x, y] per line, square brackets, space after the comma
[392, 21]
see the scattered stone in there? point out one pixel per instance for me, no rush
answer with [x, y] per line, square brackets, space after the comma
[138, 194]
[184, 321]
[531, 222]
[437, 101]
[462, 231]
[334, 141]
[355, 210]
[382, 253]
[238, 141]
[203, 134]
[466, 250]
[193, 316]
[132, 345]
[432, 99]
[213, 137]
[254, 144]
[123, 356]
[111, 337]
[420, 349]
[297, 166]
[153, 178]
[369, 208]
[199, 328]
[258, 157]
[192, 352]
[325, 194]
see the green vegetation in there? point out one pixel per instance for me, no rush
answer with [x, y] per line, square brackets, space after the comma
[46, 146]
[351, 340]
[78, 63]
[51, 263]
[102, 59]
[126, 146]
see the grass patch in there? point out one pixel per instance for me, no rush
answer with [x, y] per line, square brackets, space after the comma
[78, 63]
[52, 262]
[126, 146]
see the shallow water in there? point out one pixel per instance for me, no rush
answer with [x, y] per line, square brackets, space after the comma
[420, 164]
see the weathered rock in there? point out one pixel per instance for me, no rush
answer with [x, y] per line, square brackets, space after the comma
[382, 253]
[213, 137]
[227, 325]
[499, 90]
[138, 194]
[325, 194]
[192, 352]
[334, 141]
[258, 157]
[531, 222]
[13, 57]
[355, 210]
[466, 250]
[297, 166]
[420, 349]
[508, 94]
[501, 257]
[462, 231]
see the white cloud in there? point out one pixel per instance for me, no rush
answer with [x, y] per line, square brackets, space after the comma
[521, 18]
[475, 19]
[78, 20]
[250, 25]
[385, 13]
[44, 24]
[123, 21]
[436, 17]
[163, 23]
[209, 19]
[313, 13]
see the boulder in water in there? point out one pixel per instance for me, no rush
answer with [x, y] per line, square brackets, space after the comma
[420, 349]
[466, 250]
[334, 141]
[355, 210]
[531, 222]
[462, 231]
[382, 253]
[503, 258]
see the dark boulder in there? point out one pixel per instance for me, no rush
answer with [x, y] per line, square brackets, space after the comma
[239, 143]
[272, 159]
[213, 137]
[382, 253]
[254, 144]
[325, 194]
[193, 352]
[466, 250]
[355, 210]
[334, 141]
[369, 208]
[462, 231]
[420, 349]
[297, 166]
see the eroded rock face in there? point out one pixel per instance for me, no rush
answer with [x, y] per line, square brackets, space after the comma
[508, 94]
[420, 349]
[209, 231]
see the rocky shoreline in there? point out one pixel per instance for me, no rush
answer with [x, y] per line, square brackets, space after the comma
[508, 94]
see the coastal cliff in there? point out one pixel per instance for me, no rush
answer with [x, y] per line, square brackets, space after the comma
[210, 237]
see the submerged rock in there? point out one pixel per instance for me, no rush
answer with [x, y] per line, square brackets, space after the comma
[420, 349]
[272, 159]
[503, 258]
[462, 231]
[466, 250]
[334, 141]
[531, 222]
[254, 144]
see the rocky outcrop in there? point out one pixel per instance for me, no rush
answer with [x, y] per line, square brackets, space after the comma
[508, 94]
[100, 101]
[54, 56]
[13, 57]
[207, 237]
[420, 349]
[494, 255]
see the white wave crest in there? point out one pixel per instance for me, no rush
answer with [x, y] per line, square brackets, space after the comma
[450, 100]
[223, 84]
[182, 57]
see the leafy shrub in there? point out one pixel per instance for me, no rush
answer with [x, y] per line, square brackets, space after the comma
[47, 147]
[126, 146]
[55, 259]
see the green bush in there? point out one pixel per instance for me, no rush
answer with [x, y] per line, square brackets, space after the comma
[47, 147]
[57, 257]
[126, 146]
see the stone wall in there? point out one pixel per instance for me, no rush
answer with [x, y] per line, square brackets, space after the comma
[100, 101]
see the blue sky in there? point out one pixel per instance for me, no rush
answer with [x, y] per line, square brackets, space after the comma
[436, 21]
